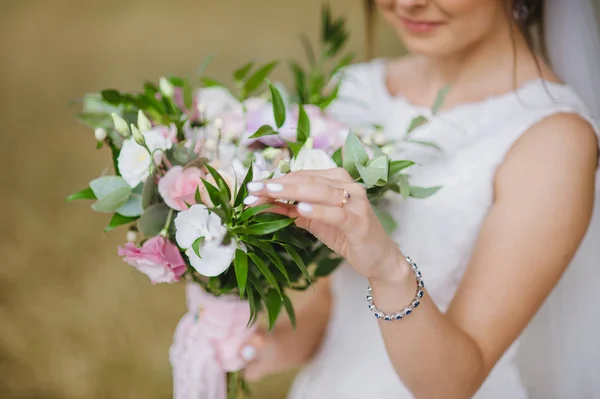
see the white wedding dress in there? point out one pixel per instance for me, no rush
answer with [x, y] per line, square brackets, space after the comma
[438, 232]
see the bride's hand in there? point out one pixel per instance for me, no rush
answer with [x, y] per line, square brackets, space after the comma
[336, 210]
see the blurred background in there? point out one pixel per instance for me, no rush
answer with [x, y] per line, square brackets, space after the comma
[75, 321]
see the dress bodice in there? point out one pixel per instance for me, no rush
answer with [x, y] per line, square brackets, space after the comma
[439, 232]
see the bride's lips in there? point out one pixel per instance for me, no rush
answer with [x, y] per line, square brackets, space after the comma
[420, 26]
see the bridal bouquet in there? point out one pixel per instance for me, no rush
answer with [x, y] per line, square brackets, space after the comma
[183, 154]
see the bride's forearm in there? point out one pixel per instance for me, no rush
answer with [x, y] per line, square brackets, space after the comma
[433, 357]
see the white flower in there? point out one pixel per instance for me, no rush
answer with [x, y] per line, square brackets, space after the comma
[166, 87]
[198, 222]
[120, 125]
[311, 159]
[134, 160]
[100, 134]
[144, 123]
[217, 102]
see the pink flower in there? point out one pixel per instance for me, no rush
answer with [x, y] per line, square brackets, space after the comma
[158, 258]
[178, 186]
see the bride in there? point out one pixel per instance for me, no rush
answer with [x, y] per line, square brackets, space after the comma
[517, 168]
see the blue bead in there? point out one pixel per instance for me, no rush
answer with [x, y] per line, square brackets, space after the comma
[422, 283]
[387, 318]
[377, 315]
[398, 316]
[419, 274]
[416, 303]
[421, 293]
[407, 312]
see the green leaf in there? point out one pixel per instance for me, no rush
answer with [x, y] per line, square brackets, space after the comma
[297, 260]
[397, 166]
[269, 252]
[223, 187]
[119, 220]
[294, 236]
[404, 186]
[188, 99]
[243, 190]
[327, 266]
[153, 219]
[259, 229]
[299, 81]
[273, 304]
[111, 96]
[95, 120]
[265, 271]
[303, 129]
[353, 154]
[258, 77]
[337, 157]
[264, 130]
[248, 213]
[254, 306]
[113, 201]
[241, 270]
[86, 193]
[205, 63]
[423, 192]
[344, 62]
[241, 73]
[289, 308]
[387, 221]
[416, 123]
[376, 170]
[105, 185]
[196, 246]
[213, 193]
[426, 143]
[295, 148]
[209, 82]
[440, 99]
[278, 105]
[308, 50]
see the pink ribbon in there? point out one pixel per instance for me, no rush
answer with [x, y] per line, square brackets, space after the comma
[207, 344]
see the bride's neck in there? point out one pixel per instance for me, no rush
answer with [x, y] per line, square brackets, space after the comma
[493, 56]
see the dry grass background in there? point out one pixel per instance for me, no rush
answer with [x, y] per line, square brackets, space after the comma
[75, 322]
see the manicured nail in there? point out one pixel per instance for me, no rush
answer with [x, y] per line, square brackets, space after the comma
[274, 187]
[251, 199]
[248, 353]
[255, 186]
[304, 207]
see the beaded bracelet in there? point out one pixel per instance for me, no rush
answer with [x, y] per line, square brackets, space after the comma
[408, 309]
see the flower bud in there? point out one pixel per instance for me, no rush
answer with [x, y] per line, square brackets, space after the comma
[201, 109]
[132, 236]
[387, 149]
[137, 135]
[284, 166]
[100, 134]
[166, 87]
[271, 152]
[121, 125]
[218, 123]
[143, 122]
[379, 138]
[210, 144]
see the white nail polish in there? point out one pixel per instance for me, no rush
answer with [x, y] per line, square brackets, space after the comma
[304, 207]
[255, 186]
[251, 199]
[274, 187]
[248, 353]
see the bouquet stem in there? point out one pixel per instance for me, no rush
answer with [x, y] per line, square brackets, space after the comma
[236, 385]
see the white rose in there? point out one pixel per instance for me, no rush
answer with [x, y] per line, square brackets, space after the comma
[134, 160]
[311, 159]
[198, 222]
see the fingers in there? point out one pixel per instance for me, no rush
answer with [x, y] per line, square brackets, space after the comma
[333, 216]
[251, 353]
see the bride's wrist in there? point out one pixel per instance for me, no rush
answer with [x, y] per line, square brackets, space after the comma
[395, 272]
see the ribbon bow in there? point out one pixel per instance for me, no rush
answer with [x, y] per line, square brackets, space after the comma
[207, 343]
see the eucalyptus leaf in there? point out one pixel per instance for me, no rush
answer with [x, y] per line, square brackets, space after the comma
[105, 185]
[95, 120]
[402, 181]
[113, 201]
[337, 157]
[133, 207]
[149, 191]
[353, 154]
[153, 219]
[278, 105]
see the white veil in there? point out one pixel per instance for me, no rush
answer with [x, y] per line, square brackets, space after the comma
[560, 350]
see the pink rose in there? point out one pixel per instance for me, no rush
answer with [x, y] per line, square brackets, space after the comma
[178, 186]
[158, 258]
